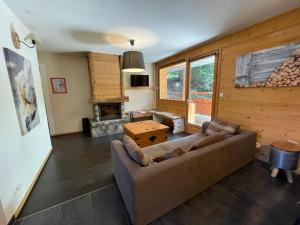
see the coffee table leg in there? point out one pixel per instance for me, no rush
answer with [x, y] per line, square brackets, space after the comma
[289, 176]
[275, 172]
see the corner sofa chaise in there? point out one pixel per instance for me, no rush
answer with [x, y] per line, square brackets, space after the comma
[149, 192]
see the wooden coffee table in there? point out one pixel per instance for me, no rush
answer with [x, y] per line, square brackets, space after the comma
[146, 133]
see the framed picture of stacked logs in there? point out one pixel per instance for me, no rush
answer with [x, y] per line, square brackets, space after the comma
[274, 67]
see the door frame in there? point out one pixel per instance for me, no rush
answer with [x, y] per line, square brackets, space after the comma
[192, 128]
[47, 98]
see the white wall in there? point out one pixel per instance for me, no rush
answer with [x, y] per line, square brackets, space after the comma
[20, 156]
[140, 97]
[65, 111]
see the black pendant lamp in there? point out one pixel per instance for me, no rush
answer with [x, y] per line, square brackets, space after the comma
[133, 61]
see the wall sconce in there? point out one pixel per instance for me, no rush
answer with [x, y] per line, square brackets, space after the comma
[31, 40]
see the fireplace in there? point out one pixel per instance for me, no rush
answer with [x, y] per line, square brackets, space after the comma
[108, 119]
[110, 111]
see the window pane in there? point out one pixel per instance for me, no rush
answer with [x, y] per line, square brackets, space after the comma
[172, 82]
[201, 90]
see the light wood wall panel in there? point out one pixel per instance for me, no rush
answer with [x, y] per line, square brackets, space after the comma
[105, 76]
[177, 107]
[274, 113]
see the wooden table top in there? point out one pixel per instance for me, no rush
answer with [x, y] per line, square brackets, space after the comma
[286, 146]
[144, 127]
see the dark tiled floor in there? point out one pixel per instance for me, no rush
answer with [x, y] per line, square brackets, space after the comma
[77, 165]
[250, 196]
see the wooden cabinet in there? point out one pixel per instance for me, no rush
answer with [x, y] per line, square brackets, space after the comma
[105, 77]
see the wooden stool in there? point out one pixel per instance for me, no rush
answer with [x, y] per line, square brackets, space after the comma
[284, 155]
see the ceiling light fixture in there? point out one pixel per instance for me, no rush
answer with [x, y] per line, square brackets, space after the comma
[133, 61]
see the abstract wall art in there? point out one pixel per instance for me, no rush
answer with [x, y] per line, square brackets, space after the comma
[23, 90]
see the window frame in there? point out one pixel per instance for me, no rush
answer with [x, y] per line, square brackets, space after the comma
[181, 61]
[216, 83]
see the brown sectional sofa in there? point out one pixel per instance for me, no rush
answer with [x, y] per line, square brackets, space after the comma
[149, 192]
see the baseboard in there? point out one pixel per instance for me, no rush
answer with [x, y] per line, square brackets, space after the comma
[65, 133]
[18, 210]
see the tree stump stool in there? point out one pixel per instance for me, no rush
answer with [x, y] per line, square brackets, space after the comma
[284, 155]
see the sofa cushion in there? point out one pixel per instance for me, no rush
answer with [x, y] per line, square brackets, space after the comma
[135, 152]
[208, 140]
[204, 126]
[218, 125]
[184, 143]
[174, 153]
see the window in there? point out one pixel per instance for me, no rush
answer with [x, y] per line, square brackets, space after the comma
[201, 90]
[172, 82]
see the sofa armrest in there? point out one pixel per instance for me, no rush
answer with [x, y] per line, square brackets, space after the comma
[124, 170]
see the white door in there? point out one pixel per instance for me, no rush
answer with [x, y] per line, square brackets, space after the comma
[46, 92]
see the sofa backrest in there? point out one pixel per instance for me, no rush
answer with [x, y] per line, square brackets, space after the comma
[131, 165]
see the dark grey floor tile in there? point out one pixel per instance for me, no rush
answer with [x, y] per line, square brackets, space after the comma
[46, 217]
[82, 221]
[231, 184]
[156, 222]
[200, 206]
[179, 216]
[18, 222]
[213, 217]
[75, 210]
[108, 207]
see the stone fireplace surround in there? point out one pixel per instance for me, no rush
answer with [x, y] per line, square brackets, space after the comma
[110, 123]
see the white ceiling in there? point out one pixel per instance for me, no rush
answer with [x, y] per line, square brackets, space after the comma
[160, 27]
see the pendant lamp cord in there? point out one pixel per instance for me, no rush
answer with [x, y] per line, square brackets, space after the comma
[131, 43]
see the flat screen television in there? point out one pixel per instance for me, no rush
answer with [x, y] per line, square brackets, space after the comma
[139, 80]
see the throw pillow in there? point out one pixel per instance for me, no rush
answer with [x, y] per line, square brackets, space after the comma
[208, 140]
[135, 152]
[218, 125]
[169, 155]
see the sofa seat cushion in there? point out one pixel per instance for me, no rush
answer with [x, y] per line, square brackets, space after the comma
[135, 152]
[184, 143]
[218, 125]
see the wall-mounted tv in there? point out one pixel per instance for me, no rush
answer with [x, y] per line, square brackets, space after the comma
[139, 80]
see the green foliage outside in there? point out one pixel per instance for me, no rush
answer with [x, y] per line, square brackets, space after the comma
[175, 81]
[201, 81]
[202, 78]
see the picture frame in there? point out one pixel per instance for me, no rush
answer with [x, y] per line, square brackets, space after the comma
[58, 85]
[23, 90]
[278, 66]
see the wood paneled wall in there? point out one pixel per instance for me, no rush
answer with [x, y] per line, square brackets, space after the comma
[105, 76]
[273, 112]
